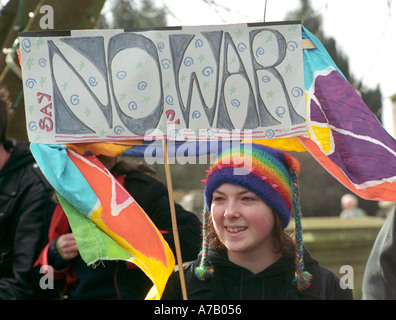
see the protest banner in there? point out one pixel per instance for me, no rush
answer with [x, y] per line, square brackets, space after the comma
[183, 83]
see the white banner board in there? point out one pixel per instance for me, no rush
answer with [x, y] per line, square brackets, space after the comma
[177, 83]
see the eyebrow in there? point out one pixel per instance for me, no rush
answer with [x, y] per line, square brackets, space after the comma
[241, 192]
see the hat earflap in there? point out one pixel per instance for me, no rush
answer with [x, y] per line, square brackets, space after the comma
[302, 278]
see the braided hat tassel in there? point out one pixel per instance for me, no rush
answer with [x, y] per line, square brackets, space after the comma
[302, 278]
[204, 271]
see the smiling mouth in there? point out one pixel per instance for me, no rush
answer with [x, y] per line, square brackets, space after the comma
[235, 229]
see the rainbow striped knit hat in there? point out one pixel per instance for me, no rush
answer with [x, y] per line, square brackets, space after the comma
[269, 173]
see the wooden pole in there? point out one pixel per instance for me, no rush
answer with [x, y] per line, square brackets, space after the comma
[174, 221]
[265, 10]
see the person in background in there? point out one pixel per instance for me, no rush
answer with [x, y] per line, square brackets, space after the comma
[379, 278]
[25, 199]
[250, 194]
[116, 279]
[350, 209]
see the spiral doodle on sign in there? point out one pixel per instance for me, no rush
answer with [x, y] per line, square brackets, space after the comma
[42, 62]
[280, 111]
[166, 63]
[26, 45]
[119, 129]
[207, 71]
[198, 43]
[74, 99]
[260, 51]
[269, 133]
[33, 126]
[30, 83]
[241, 47]
[196, 114]
[266, 79]
[92, 81]
[142, 85]
[160, 46]
[121, 74]
[292, 45]
[132, 105]
[174, 133]
[235, 103]
[297, 92]
[188, 61]
[169, 100]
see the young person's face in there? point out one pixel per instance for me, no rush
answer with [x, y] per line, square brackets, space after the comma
[242, 221]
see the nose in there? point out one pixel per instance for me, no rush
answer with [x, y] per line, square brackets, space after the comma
[232, 211]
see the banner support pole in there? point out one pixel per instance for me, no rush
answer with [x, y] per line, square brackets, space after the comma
[174, 220]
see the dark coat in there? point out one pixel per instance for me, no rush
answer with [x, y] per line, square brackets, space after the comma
[232, 282]
[24, 198]
[119, 279]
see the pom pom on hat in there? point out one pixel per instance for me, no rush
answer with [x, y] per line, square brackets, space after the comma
[269, 173]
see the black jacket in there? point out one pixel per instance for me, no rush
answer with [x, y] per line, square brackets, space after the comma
[118, 279]
[232, 282]
[24, 198]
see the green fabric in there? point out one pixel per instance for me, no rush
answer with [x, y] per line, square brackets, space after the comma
[93, 244]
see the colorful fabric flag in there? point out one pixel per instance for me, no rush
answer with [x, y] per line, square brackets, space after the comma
[343, 135]
[90, 205]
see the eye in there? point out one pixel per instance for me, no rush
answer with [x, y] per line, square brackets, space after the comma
[218, 198]
[247, 199]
